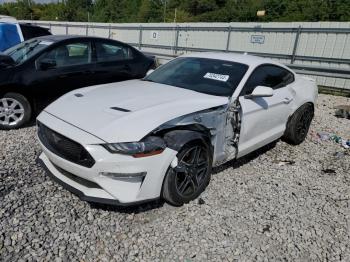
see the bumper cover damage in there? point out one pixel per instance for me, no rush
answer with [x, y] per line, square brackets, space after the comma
[49, 168]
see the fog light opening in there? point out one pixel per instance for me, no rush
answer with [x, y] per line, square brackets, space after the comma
[140, 175]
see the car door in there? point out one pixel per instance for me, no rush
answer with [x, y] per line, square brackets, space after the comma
[66, 67]
[114, 62]
[263, 119]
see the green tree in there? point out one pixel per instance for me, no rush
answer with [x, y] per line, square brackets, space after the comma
[150, 11]
[22, 9]
[340, 10]
[75, 10]
[3, 10]
[116, 11]
[187, 11]
[51, 12]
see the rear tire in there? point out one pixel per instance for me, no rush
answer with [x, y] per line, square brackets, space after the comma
[190, 178]
[299, 124]
[15, 111]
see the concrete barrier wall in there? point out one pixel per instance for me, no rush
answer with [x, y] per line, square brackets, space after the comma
[324, 45]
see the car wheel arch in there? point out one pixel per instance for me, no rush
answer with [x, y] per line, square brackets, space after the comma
[301, 105]
[181, 140]
[19, 90]
[298, 124]
[178, 138]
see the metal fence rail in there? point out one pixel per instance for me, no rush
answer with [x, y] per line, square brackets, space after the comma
[318, 49]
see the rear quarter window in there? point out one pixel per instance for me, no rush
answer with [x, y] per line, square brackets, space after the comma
[109, 52]
[30, 32]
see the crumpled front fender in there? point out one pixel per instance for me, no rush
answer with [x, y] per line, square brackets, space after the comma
[176, 139]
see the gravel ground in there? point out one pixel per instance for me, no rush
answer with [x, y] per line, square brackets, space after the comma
[260, 208]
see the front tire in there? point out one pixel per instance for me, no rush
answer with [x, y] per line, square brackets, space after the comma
[299, 124]
[15, 111]
[192, 175]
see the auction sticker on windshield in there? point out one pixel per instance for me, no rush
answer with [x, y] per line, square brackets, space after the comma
[217, 77]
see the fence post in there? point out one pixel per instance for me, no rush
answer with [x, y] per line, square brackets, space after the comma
[87, 30]
[140, 38]
[66, 29]
[185, 50]
[109, 31]
[50, 27]
[176, 39]
[296, 42]
[228, 38]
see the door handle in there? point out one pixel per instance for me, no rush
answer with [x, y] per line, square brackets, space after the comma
[287, 100]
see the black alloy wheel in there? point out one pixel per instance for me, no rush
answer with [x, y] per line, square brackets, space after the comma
[191, 176]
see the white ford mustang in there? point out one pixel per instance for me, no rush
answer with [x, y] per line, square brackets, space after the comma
[159, 137]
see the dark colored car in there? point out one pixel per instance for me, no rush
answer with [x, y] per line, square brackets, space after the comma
[37, 71]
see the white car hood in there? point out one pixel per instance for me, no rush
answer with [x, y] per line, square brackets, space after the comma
[150, 105]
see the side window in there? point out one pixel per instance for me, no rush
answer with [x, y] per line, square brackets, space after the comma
[30, 32]
[108, 52]
[39, 31]
[268, 75]
[70, 54]
[26, 32]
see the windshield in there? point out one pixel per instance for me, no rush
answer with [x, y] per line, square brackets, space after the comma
[208, 76]
[22, 52]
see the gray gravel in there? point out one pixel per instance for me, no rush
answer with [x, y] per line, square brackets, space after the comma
[261, 208]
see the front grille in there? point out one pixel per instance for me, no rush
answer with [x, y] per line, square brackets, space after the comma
[64, 147]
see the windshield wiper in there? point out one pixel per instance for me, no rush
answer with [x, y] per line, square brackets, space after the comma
[30, 49]
[19, 48]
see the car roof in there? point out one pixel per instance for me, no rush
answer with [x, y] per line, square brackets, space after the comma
[57, 38]
[8, 22]
[32, 25]
[7, 19]
[250, 60]
[15, 22]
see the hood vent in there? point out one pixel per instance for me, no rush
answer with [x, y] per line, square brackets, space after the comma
[120, 109]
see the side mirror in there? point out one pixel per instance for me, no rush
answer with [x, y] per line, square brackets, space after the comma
[6, 61]
[149, 72]
[261, 91]
[46, 64]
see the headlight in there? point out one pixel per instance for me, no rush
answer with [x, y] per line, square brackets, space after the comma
[148, 147]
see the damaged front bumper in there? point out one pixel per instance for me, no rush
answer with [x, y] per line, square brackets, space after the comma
[114, 178]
